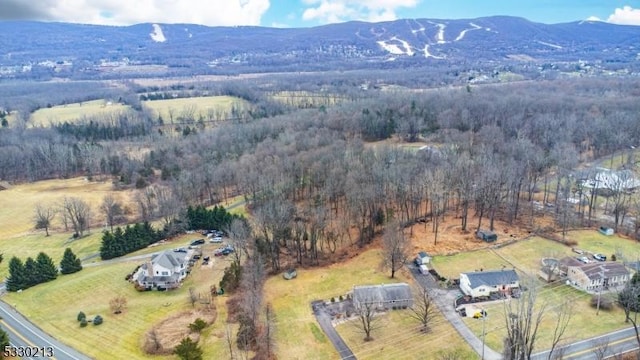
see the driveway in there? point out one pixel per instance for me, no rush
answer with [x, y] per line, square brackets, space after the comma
[324, 320]
[445, 300]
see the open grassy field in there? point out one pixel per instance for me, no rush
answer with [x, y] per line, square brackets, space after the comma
[19, 202]
[54, 306]
[75, 111]
[594, 242]
[451, 266]
[207, 107]
[525, 256]
[583, 323]
[399, 337]
[304, 99]
[298, 336]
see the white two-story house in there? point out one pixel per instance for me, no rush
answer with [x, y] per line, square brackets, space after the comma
[164, 271]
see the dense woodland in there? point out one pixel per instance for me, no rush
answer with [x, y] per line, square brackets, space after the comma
[312, 174]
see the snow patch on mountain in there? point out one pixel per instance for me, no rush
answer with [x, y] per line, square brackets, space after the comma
[427, 54]
[391, 48]
[549, 44]
[404, 48]
[440, 34]
[157, 34]
[465, 31]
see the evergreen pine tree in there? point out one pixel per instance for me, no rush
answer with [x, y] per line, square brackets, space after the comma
[47, 270]
[17, 279]
[31, 275]
[70, 262]
[4, 339]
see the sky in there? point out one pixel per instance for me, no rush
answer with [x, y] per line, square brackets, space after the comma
[305, 13]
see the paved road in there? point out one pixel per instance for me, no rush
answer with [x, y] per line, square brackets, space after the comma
[24, 333]
[445, 301]
[325, 323]
[618, 342]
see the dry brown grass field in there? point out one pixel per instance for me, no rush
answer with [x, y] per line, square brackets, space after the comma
[76, 111]
[19, 202]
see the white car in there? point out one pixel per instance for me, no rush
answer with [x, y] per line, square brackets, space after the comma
[584, 259]
[216, 240]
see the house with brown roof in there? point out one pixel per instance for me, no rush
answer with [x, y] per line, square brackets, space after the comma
[598, 276]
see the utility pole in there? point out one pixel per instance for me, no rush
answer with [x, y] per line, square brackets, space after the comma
[600, 289]
[483, 320]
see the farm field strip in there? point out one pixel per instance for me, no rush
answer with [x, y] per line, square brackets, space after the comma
[94, 109]
[207, 107]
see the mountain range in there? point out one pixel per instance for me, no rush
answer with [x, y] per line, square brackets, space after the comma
[65, 47]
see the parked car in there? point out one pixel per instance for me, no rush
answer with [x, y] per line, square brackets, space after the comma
[182, 250]
[583, 259]
[216, 240]
[226, 251]
[206, 258]
[480, 314]
[197, 242]
[600, 257]
[218, 252]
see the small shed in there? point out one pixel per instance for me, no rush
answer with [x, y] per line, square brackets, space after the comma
[606, 230]
[486, 235]
[290, 274]
[422, 258]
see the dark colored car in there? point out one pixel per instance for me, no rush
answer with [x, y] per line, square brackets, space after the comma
[197, 242]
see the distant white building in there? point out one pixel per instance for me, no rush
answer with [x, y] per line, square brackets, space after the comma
[603, 178]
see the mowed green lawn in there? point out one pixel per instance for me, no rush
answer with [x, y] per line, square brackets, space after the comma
[298, 335]
[54, 306]
[399, 337]
[76, 111]
[205, 107]
[525, 256]
[584, 322]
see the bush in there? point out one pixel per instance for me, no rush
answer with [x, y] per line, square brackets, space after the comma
[341, 298]
[613, 257]
[198, 325]
[83, 322]
[81, 316]
[333, 299]
[97, 320]
[606, 303]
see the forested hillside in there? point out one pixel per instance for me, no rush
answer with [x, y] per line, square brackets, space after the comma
[312, 174]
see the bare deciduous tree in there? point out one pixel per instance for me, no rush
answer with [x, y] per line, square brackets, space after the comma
[423, 308]
[118, 304]
[523, 317]
[112, 211]
[395, 248]
[44, 216]
[367, 322]
[78, 213]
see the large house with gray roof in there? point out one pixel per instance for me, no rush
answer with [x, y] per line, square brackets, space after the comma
[483, 283]
[383, 297]
[598, 276]
[164, 271]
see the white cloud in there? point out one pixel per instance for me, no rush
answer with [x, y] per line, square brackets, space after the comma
[126, 12]
[625, 16]
[332, 11]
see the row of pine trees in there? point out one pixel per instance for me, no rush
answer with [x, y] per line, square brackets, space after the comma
[23, 275]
